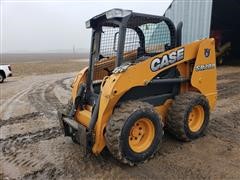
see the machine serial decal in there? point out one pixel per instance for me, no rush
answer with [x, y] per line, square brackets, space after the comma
[204, 67]
[167, 59]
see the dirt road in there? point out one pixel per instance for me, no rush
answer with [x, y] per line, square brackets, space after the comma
[33, 146]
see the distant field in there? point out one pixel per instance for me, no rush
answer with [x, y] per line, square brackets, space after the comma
[38, 64]
[40, 57]
[40, 68]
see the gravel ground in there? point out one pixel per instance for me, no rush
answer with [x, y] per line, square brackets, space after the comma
[33, 146]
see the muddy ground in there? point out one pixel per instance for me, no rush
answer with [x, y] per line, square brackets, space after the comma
[33, 146]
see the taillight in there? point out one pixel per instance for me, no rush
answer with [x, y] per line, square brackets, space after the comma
[9, 67]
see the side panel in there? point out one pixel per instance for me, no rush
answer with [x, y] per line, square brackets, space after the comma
[204, 74]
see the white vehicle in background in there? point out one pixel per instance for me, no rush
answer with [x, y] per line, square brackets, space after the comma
[5, 71]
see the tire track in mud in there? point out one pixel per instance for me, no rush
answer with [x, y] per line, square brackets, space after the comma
[226, 127]
[21, 119]
[229, 89]
[63, 84]
[13, 143]
[231, 76]
[31, 165]
[37, 98]
[48, 171]
[44, 99]
[8, 107]
[20, 160]
[50, 96]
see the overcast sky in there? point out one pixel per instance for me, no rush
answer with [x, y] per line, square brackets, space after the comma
[45, 26]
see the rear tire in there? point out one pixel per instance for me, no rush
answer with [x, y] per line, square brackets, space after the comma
[134, 132]
[188, 116]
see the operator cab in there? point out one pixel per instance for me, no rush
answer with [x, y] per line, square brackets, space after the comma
[121, 37]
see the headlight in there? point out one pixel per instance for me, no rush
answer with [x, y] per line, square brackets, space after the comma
[117, 13]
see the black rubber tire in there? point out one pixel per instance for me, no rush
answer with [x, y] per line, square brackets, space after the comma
[1, 78]
[177, 121]
[118, 129]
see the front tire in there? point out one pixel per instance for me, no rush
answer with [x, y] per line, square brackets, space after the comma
[134, 132]
[188, 116]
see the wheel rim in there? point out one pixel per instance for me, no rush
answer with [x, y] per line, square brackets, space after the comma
[1, 78]
[196, 118]
[141, 135]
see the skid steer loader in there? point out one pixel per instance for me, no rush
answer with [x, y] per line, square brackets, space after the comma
[140, 81]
